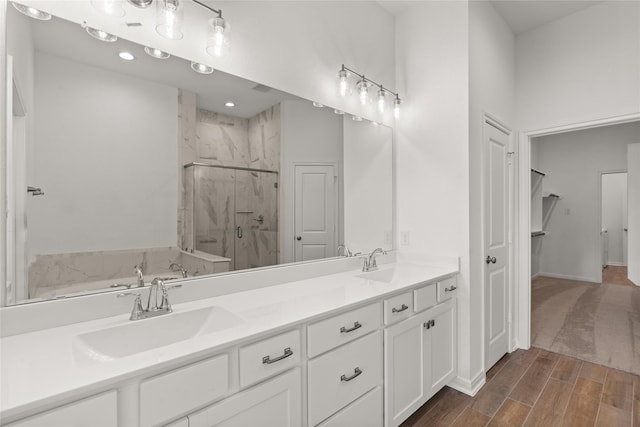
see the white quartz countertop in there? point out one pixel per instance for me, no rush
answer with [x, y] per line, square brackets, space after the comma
[42, 368]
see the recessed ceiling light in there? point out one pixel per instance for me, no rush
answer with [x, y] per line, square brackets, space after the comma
[156, 53]
[229, 104]
[339, 112]
[356, 118]
[127, 56]
[32, 12]
[201, 68]
[100, 35]
[317, 105]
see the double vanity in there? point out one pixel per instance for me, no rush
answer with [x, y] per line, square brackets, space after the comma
[342, 349]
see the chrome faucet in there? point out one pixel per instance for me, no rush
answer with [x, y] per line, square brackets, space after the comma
[152, 309]
[138, 270]
[370, 263]
[178, 267]
[345, 251]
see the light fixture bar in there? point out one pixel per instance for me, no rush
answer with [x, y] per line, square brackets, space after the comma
[216, 11]
[362, 77]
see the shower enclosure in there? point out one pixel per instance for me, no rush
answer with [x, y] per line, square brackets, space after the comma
[232, 212]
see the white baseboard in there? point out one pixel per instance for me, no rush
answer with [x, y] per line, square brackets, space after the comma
[570, 277]
[469, 387]
[617, 264]
[535, 275]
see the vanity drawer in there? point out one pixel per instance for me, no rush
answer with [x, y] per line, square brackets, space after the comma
[425, 297]
[269, 357]
[337, 330]
[398, 308]
[364, 412]
[181, 390]
[446, 289]
[339, 377]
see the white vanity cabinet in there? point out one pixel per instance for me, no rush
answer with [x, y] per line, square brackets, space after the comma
[98, 411]
[420, 356]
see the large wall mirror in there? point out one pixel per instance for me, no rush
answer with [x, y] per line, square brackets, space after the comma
[120, 170]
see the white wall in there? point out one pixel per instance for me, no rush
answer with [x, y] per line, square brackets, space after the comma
[128, 143]
[614, 204]
[432, 147]
[309, 135]
[491, 91]
[368, 186]
[583, 67]
[573, 162]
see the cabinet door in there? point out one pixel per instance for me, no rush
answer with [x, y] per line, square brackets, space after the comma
[406, 372]
[275, 403]
[443, 345]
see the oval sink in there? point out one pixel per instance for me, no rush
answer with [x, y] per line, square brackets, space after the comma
[385, 276]
[143, 335]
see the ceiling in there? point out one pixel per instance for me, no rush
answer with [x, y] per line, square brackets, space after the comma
[520, 15]
[68, 40]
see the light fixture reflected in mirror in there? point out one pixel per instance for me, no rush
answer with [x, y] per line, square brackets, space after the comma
[169, 17]
[142, 4]
[156, 53]
[356, 118]
[317, 104]
[338, 112]
[32, 12]
[99, 34]
[201, 68]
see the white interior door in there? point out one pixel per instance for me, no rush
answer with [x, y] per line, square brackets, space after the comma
[496, 243]
[315, 211]
[633, 212]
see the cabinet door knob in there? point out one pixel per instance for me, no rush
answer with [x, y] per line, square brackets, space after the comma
[356, 372]
[491, 259]
[298, 238]
[427, 324]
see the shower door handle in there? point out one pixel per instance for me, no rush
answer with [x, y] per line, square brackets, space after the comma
[239, 232]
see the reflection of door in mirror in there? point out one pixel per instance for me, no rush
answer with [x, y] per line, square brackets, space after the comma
[315, 211]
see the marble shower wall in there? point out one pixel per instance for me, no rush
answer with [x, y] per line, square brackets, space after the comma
[218, 197]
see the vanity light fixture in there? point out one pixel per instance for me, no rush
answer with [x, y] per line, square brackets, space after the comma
[317, 104]
[229, 104]
[156, 53]
[32, 12]
[362, 88]
[99, 34]
[127, 56]
[201, 68]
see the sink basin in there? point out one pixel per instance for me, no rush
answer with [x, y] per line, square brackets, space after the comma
[142, 335]
[385, 276]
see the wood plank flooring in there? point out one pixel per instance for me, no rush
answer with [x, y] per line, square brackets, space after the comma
[539, 388]
[616, 275]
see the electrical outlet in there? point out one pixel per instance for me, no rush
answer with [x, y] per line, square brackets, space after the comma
[404, 238]
[388, 237]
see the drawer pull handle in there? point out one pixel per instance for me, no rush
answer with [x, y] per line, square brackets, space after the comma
[356, 372]
[402, 308]
[427, 324]
[268, 360]
[451, 289]
[356, 325]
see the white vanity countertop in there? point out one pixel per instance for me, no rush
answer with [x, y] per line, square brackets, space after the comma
[40, 368]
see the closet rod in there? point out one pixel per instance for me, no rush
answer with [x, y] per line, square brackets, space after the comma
[538, 172]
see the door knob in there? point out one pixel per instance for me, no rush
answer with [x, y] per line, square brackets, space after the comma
[298, 237]
[491, 259]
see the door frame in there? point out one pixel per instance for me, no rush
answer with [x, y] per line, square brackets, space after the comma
[523, 217]
[490, 119]
[336, 191]
[601, 174]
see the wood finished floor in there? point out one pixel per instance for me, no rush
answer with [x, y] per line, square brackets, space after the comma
[616, 275]
[539, 388]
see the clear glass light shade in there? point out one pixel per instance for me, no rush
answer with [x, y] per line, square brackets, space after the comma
[156, 53]
[343, 82]
[363, 91]
[100, 34]
[216, 37]
[109, 7]
[169, 17]
[32, 12]
[382, 100]
[201, 68]
[396, 108]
